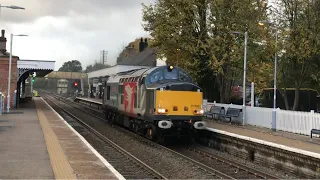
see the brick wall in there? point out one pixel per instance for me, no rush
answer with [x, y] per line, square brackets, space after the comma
[4, 67]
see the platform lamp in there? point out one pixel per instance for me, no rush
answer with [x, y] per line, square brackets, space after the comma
[274, 111]
[9, 75]
[244, 72]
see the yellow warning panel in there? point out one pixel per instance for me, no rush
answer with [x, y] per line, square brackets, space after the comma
[178, 102]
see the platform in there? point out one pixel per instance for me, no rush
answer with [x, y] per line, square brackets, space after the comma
[36, 143]
[91, 100]
[279, 139]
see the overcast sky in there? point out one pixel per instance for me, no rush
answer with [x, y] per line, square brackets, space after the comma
[63, 30]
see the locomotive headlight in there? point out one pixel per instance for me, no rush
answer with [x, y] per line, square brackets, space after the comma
[200, 111]
[161, 110]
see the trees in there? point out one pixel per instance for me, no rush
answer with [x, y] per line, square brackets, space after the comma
[71, 66]
[228, 48]
[299, 37]
[196, 35]
[179, 29]
[95, 67]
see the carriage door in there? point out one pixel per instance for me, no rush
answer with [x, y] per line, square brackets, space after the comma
[141, 93]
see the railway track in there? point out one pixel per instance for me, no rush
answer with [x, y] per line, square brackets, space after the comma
[223, 168]
[232, 168]
[128, 165]
[213, 173]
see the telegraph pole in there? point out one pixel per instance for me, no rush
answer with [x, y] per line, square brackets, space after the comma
[103, 56]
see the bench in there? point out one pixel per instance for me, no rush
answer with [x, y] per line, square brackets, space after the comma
[215, 110]
[232, 112]
[314, 131]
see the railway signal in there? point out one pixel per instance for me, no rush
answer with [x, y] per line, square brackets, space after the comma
[77, 85]
[33, 77]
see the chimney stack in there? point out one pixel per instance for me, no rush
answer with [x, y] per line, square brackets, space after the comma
[141, 45]
[3, 42]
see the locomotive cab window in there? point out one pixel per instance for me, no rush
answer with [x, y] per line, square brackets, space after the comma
[165, 74]
[184, 77]
[173, 74]
[156, 76]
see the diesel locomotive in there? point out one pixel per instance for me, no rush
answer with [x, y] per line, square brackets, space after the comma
[155, 102]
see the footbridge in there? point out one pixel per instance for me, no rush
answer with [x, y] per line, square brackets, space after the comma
[26, 70]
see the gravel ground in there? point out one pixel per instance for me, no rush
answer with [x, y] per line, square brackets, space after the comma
[166, 163]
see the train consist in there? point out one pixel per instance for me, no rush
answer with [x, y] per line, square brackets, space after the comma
[156, 102]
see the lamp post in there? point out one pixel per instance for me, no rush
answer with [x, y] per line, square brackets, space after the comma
[9, 75]
[244, 73]
[274, 111]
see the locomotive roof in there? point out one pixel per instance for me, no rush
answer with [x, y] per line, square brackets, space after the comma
[132, 73]
[164, 84]
[153, 68]
[113, 70]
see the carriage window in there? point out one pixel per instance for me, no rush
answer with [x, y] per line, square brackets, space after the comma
[121, 98]
[108, 92]
[135, 100]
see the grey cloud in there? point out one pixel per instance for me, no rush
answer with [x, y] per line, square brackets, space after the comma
[38, 8]
[93, 25]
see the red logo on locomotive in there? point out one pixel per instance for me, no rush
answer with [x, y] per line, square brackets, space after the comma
[129, 90]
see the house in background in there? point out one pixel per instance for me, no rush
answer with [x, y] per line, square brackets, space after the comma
[130, 60]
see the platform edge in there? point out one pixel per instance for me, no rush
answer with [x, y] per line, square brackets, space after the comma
[279, 146]
[104, 161]
[58, 160]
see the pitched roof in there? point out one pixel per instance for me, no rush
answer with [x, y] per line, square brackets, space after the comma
[147, 57]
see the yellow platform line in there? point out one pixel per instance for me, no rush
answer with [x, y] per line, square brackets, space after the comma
[60, 165]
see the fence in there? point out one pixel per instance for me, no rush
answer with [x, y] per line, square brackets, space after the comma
[289, 121]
